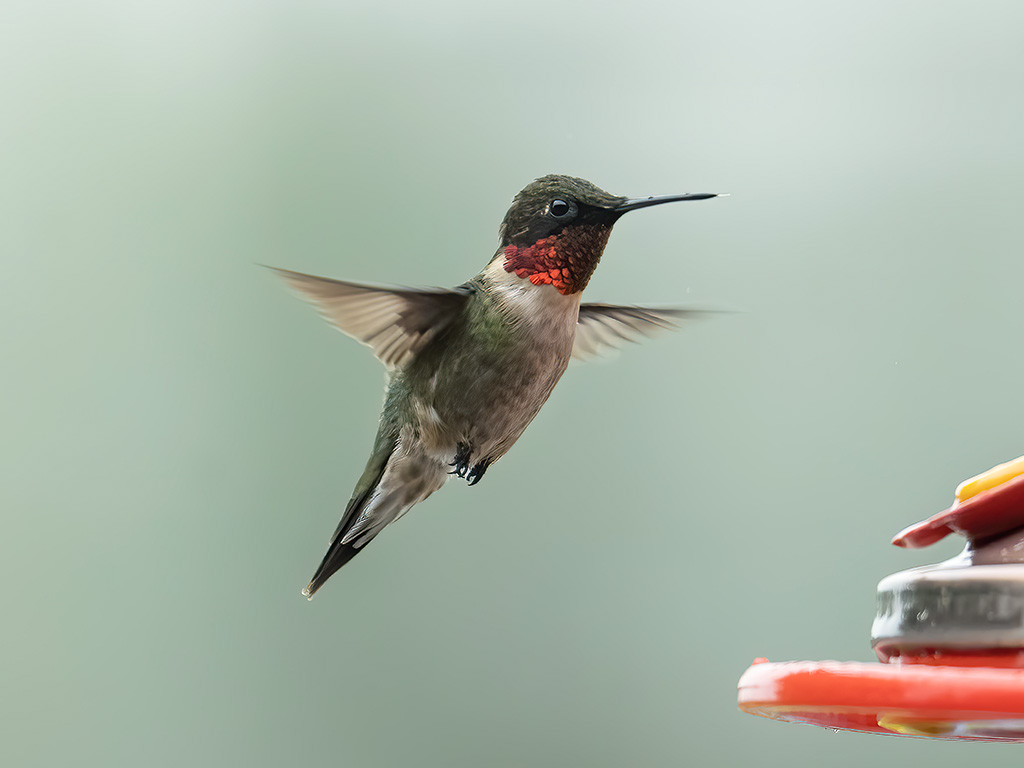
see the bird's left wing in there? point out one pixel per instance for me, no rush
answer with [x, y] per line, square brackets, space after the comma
[394, 322]
[602, 327]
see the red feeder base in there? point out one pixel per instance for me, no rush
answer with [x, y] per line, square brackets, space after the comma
[951, 634]
[945, 702]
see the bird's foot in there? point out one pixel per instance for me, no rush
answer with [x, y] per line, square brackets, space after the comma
[461, 464]
[477, 471]
[461, 460]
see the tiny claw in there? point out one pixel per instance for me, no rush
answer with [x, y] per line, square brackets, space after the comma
[461, 460]
[477, 471]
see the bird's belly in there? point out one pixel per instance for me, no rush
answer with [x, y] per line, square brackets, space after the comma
[487, 403]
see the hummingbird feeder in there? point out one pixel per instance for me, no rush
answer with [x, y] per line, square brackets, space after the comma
[950, 636]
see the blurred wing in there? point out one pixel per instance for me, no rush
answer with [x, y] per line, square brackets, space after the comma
[602, 327]
[394, 322]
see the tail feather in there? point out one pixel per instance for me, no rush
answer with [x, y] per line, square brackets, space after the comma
[340, 552]
[337, 556]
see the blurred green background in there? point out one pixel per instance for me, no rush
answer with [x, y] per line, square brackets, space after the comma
[180, 434]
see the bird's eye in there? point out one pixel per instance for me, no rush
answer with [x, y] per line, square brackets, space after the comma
[559, 208]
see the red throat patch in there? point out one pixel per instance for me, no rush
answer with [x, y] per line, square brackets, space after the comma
[566, 260]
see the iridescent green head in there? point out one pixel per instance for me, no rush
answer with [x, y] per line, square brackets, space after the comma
[557, 227]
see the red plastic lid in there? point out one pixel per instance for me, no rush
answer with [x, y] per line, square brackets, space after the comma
[976, 703]
[990, 512]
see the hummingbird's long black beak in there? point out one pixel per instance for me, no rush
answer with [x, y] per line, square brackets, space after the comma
[643, 202]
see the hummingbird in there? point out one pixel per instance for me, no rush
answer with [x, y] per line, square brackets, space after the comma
[470, 367]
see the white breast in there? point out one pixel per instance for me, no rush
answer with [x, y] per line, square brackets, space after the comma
[541, 306]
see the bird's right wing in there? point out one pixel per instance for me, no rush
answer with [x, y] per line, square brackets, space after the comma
[394, 322]
[602, 327]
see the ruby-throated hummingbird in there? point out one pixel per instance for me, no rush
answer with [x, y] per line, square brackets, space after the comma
[470, 367]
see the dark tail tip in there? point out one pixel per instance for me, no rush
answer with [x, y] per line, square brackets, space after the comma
[337, 556]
